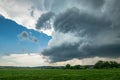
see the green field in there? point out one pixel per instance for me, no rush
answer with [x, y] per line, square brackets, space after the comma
[59, 74]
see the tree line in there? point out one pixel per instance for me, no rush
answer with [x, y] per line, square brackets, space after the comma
[98, 65]
[106, 64]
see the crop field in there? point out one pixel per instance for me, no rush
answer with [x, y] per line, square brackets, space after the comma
[59, 74]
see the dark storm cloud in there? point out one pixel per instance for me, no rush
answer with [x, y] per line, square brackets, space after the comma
[42, 21]
[113, 12]
[57, 6]
[73, 20]
[102, 32]
[61, 5]
[94, 3]
[110, 50]
[68, 52]
[62, 53]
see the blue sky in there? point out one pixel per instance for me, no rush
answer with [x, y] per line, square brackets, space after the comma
[10, 42]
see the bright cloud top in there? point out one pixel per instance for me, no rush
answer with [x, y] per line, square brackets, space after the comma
[23, 12]
[32, 59]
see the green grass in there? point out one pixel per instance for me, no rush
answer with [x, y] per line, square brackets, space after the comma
[59, 74]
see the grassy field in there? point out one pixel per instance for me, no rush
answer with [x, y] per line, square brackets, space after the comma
[56, 74]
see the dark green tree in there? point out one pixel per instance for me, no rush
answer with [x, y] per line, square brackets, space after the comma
[68, 66]
[106, 64]
[99, 64]
[114, 64]
[77, 67]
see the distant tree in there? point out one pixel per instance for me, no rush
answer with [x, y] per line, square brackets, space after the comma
[106, 64]
[68, 66]
[99, 65]
[71, 67]
[77, 67]
[86, 67]
[114, 64]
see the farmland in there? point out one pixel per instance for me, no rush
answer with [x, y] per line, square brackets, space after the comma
[59, 74]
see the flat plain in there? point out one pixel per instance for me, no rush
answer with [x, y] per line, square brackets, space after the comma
[59, 74]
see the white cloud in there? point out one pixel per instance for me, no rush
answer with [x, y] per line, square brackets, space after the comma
[92, 61]
[48, 31]
[59, 38]
[35, 59]
[72, 62]
[32, 59]
[86, 61]
[24, 12]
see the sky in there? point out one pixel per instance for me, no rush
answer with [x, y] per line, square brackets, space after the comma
[58, 32]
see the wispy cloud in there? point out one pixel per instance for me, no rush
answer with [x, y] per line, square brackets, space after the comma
[26, 36]
[23, 35]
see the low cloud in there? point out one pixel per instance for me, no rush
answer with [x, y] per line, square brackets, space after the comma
[33, 59]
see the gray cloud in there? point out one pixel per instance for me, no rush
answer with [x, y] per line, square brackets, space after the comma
[83, 34]
[42, 21]
[62, 53]
[1, 16]
[57, 6]
[34, 39]
[48, 4]
[73, 20]
[68, 52]
[27, 36]
[32, 11]
[113, 12]
[61, 5]
[94, 3]
[23, 35]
